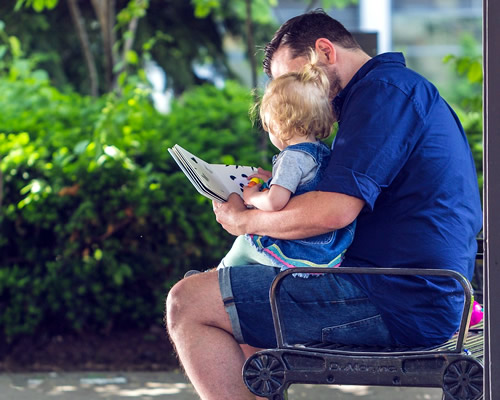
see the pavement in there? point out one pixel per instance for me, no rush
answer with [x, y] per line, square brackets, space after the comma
[169, 386]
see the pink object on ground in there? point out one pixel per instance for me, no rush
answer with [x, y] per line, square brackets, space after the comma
[477, 314]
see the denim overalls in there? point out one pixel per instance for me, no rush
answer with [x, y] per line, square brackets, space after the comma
[325, 250]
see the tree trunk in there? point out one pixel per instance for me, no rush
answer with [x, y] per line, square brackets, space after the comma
[76, 16]
[251, 43]
[253, 67]
[105, 11]
[132, 28]
[129, 41]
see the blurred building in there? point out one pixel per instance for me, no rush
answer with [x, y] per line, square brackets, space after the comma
[424, 30]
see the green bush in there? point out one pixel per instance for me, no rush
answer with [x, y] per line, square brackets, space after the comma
[467, 100]
[97, 221]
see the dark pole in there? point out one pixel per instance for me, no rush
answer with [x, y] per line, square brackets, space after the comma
[491, 167]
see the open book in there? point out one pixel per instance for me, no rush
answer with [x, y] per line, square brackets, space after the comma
[215, 181]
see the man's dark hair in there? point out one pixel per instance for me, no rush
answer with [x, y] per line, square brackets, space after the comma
[300, 34]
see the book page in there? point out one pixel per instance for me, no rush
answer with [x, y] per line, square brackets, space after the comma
[215, 181]
[193, 177]
[233, 177]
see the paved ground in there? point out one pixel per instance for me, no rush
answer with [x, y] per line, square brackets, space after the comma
[167, 386]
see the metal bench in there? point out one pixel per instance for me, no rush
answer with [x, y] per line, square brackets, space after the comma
[455, 366]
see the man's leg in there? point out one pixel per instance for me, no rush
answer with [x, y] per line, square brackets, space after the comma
[201, 332]
[248, 350]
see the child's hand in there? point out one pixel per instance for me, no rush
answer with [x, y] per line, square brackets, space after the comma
[255, 181]
[262, 174]
[249, 192]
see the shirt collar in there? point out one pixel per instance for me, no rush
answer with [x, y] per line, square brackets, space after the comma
[371, 64]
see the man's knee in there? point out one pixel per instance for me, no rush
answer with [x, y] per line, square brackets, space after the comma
[175, 303]
[189, 298]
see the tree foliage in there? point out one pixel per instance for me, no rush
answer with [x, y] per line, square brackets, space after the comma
[96, 219]
[468, 98]
[137, 30]
[87, 44]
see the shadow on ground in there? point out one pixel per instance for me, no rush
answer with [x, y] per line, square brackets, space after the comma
[168, 385]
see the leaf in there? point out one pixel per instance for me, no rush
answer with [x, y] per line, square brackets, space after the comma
[204, 7]
[326, 4]
[38, 5]
[132, 57]
[475, 73]
[3, 50]
[122, 78]
[447, 58]
[50, 4]
[15, 46]
[40, 75]
[118, 66]
[463, 65]
[98, 254]
[19, 5]
[81, 146]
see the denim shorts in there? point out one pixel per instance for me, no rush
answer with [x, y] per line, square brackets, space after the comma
[317, 308]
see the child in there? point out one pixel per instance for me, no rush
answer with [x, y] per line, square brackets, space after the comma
[296, 112]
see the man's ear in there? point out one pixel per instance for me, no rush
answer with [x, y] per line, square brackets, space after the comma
[326, 51]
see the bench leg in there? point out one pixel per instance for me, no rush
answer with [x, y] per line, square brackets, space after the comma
[265, 376]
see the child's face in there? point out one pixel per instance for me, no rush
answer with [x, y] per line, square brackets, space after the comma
[277, 142]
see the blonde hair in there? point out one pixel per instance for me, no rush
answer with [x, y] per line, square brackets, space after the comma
[297, 103]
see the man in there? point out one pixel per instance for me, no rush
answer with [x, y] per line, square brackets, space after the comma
[401, 166]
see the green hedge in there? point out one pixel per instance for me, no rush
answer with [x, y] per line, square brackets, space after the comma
[97, 221]
[468, 102]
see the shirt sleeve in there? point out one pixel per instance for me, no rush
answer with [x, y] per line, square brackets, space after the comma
[379, 125]
[292, 168]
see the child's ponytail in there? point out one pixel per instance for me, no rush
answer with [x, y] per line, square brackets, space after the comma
[312, 72]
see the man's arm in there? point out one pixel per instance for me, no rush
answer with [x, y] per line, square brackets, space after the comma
[307, 215]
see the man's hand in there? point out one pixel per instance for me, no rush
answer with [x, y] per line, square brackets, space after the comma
[230, 214]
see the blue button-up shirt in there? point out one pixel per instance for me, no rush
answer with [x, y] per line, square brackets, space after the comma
[402, 149]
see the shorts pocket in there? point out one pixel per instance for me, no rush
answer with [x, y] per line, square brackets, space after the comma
[370, 331]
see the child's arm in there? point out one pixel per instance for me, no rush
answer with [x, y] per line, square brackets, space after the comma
[273, 199]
